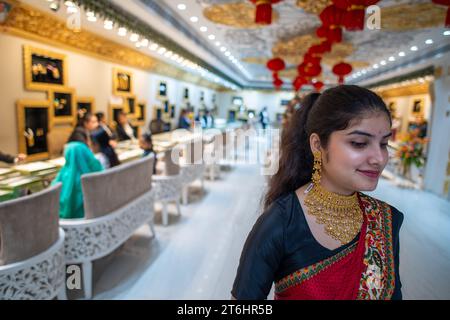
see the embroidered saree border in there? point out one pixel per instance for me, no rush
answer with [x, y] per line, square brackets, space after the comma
[306, 273]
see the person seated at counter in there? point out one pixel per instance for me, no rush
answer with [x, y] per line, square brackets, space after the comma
[12, 159]
[184, 122]
[104, 152]
[124, 130]
[86, 124]
[146, 144]
[102, 123]
[79, 161]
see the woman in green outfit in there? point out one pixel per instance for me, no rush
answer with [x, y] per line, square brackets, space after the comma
[79, 161]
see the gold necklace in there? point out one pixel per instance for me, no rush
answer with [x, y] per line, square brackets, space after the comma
[341, 215]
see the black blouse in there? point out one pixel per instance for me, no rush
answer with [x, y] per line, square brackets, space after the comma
[281, 243]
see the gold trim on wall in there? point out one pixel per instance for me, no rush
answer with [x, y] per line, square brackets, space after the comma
[411, 90]
[63, 119]
[116, 92]
[22, 21]
[28, 52]
[20, 105]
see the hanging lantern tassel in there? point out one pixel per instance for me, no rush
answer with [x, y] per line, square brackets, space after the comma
[318, 85]
[445, 3]
[264, 11]
[278, 83]
[341, 70]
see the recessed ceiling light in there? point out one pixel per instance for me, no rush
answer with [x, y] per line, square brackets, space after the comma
[122, 32]
[211, 37]
[217, 43]
[69, 4]
[446, 33]
[383, 62]
[108, 24]
[429, 41]
[92, 19]
[181, 6]
[228, 53]
[203, 29]
[144, 42]
[375, 66]
[414, 48]
[391, 58]
[401, 54]
[154, 46]
[90, 14]
[194, 19]
[134, 37]
[223, 49]
[162, 50]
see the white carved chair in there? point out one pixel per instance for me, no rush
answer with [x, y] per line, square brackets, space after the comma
[192, 167]
[116, 203]
[167, 185]
[32, 265]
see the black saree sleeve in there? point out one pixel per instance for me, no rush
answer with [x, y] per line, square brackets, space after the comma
[6, 158]
[397, 220]
[261, 256]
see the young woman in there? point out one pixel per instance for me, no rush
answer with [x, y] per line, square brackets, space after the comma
[146, 144]
[86, 124]
[320, 237]
[104, 152]
[79, 160]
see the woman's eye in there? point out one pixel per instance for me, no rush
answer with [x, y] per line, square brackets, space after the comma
[359, 144]
[384, 145]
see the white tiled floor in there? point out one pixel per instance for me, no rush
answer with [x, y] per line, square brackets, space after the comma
[196, 256]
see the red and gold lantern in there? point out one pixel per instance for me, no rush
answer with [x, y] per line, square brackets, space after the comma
[277, 83]
[264, 11]
[355, 12]
[318, 85]
[299, 82]
[341, 70]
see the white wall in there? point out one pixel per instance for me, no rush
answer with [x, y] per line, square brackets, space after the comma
[90, 77]
[255, 100]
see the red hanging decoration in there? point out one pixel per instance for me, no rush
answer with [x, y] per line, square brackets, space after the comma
[276, 64]
[311, 59]
[277, 83]
[307, 70]
[333, 17]
[264, 11]
[355, 12]
[330, 33]
[299, 82]
[445, 3]
[318, 85]
[341, 70]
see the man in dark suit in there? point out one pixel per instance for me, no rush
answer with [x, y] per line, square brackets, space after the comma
[11, 159]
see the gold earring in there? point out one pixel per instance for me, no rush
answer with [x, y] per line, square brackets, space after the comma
[317, 169]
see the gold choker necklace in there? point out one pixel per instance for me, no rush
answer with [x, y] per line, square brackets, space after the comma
[341, 215]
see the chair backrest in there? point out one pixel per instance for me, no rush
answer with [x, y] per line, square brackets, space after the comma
[170, 168]
[56, 140]
[107, 191]
[29, 225]
[194, 151]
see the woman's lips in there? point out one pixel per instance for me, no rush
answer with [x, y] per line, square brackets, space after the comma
[370, 173]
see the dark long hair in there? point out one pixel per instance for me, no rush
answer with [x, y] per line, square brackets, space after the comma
[321, 114]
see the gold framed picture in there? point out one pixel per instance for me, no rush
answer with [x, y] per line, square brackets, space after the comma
[85, 105]
[44, 70]
[113, 113]
[141, 112]
[418, 107]
[34, 120]
[158, 112]
[63, 106]
[122, 82]
[130, 106]
[186, 94]
[162, 91]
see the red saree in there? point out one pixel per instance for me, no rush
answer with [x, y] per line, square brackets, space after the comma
[365, 270]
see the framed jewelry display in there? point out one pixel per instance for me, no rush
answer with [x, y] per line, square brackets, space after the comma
[157, 113]
[113, 113]
[186, 94]
[44, 70]
[33, 122]
[162, 91]
[122, 82]
[172, 111]
[130, 105]
[141, 112]
[63, 108]
[85, 105]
